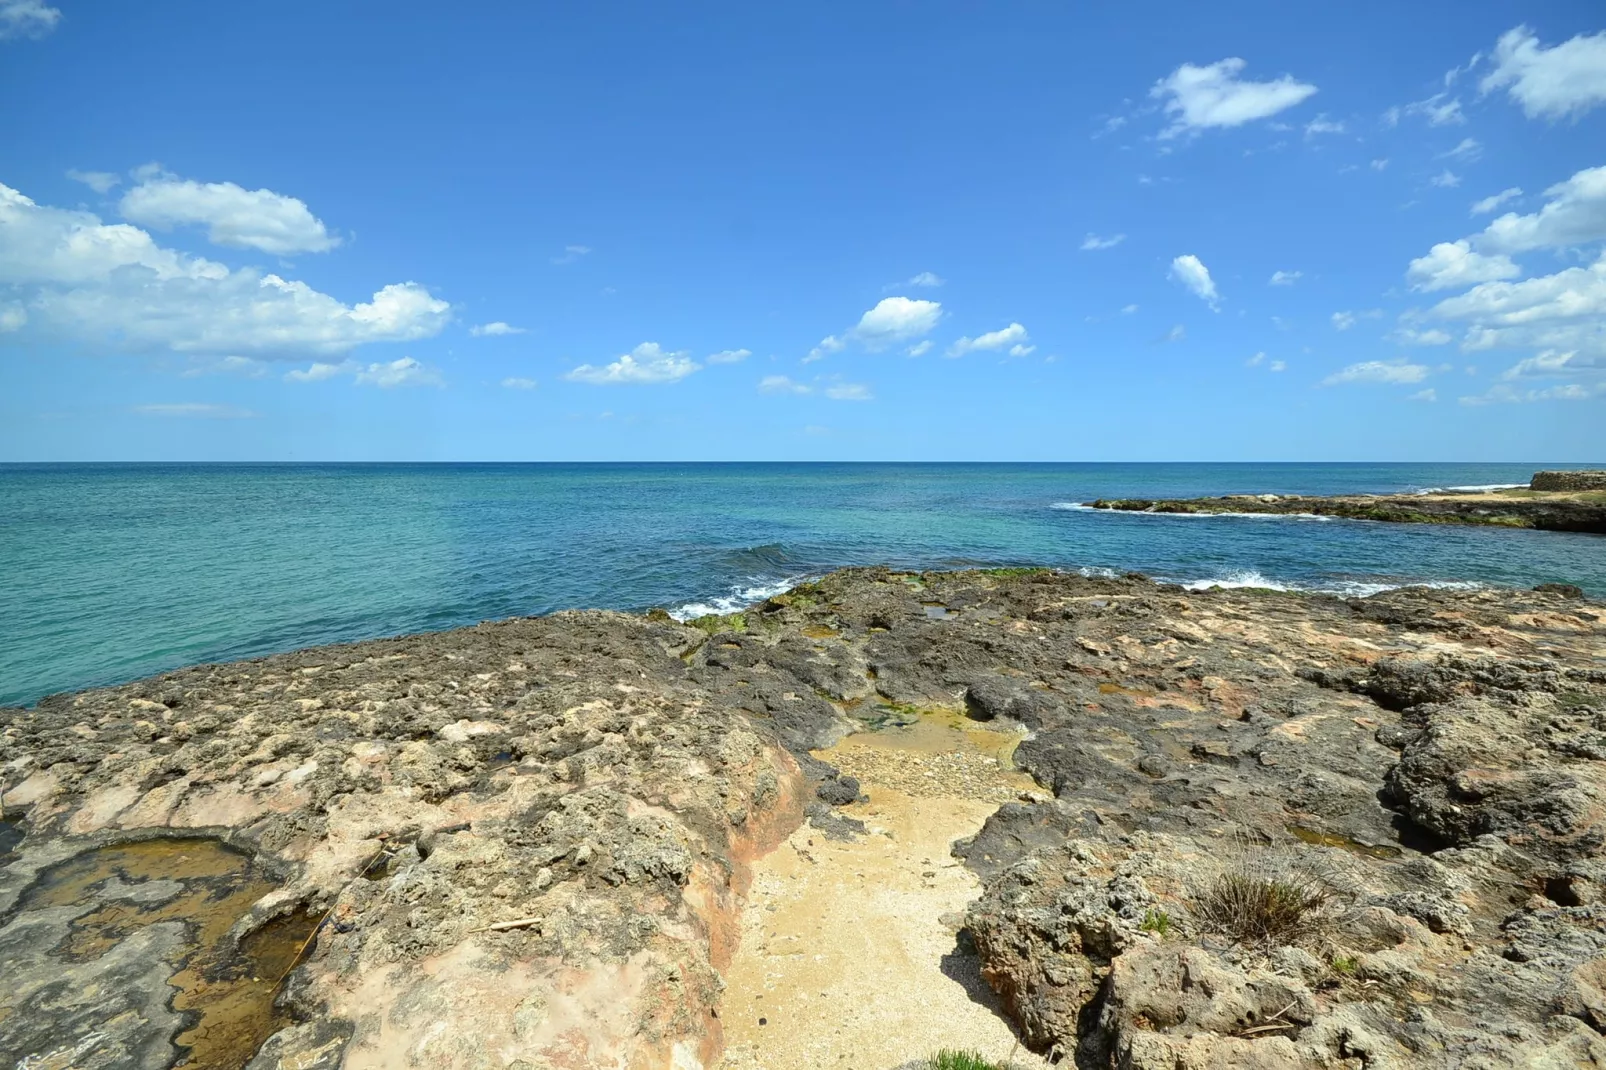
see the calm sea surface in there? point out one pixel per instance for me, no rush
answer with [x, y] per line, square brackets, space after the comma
[111, 572]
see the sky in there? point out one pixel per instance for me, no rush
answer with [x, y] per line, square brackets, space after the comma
[885, 231]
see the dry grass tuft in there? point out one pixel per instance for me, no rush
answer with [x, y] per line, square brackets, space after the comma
[1264, 908]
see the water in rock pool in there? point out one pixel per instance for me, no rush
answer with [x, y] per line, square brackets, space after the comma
[117, 949]
[111, 572]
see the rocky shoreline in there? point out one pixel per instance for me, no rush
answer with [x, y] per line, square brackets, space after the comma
[529, 843]
[1576, 504]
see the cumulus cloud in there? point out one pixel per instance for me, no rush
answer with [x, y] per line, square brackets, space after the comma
[782, 384]
[648, 363]
[896, 319]
[1377, 371]
[111, 284]
[27, 18]
[1410, 336]
[248, 367]
[1505, 393]
[1093, 242]
[1568, 294]
[318, 371]
[1445, 179]
[729, 356]
[1286, 278]
[1323, 125]
[849, 392]
[1429, 394]
[195, 410]
[1003, 338]
[927, 279]
[1191, 272]
[13, 317]
[494, 330]
[99, 181]
[1575, 214]
[1549, 83]
[919, 349]
[1343, 321]
[1490, 203]
[515, 382]
[404, 371]
[1214, 96]
[1453, 264]
[233, 215]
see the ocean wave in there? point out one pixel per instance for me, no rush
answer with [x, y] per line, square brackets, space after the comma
[1249, 578]
[1475, 488]
[740, 597]
[1080, 507]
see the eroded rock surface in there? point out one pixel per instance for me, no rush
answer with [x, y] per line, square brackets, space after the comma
[530, 837]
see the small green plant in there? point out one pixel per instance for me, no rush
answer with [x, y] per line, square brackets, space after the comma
[1344, 964]
[1156, 921]
[1009, 573]
[961, 1060]
[714, 623]
[1257, 908]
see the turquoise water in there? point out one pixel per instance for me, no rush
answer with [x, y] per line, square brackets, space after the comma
[111, 572]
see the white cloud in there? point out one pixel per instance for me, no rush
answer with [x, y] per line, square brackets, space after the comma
[894, 320]
[1441, 109]
[919, 349]
[1255, 360]
[1191, 272]
[13, 317]
[318, 371]
[1549, 83]
[647, 363]
[1379, 165]
[246, 366]
[1490, 203]
[1467, 151]
[1176, 334]
[195, 410]
[829, 344]
[1286, 278]
[1277, 366]
[1002, 338]
[99, 181]
[106, 285]
[1453, 264]
[1505, 393]
[1445, 179]
[234, 216]
[1410, 336]
[926, 278]
[1093, 242]
[1213, 96]
[515, 382]
[1127, 310]
[1343, 321]
[571, 253]
[1574, 214]
[1323, 125]
[1429, 394]
[1022, 350]
[404, 371]
[1554, 363]
[781, 384]
[494, 330]
[27, 18]
[1376, 371]
[729, 356]
[849, 392]
[1568, 294]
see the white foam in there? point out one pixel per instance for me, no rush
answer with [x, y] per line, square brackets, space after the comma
[1078, 506]
[740, 598]
[1249, 578]
[1476, 488]
[1073, 505]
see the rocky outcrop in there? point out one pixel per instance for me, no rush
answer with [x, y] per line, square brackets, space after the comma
[1572, 480]
[1521, 509]
[525, 843]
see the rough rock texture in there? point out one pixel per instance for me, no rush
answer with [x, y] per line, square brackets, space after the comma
[1435, 760]
[1576, 480]
[1572, 508]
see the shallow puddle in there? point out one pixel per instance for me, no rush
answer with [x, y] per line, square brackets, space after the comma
[1343, 843]
[11, 833]
[225, 990]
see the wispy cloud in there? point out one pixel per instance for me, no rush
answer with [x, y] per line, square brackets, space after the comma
[1286, 278]
[195, 410]
[1377, 371]
[1013, 338]
[571, 253]
[494, 330]
[1093, 243]
[1215, 97]
[27, 18]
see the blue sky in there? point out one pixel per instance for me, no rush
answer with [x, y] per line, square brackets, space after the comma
[846, 231]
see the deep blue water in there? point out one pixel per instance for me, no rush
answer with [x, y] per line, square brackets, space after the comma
[111, 572]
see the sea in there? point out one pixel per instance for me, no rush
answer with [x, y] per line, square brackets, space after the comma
[111, 572]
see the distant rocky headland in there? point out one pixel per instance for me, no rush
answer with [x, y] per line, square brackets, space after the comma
[1552, 501]
[1268, 829]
